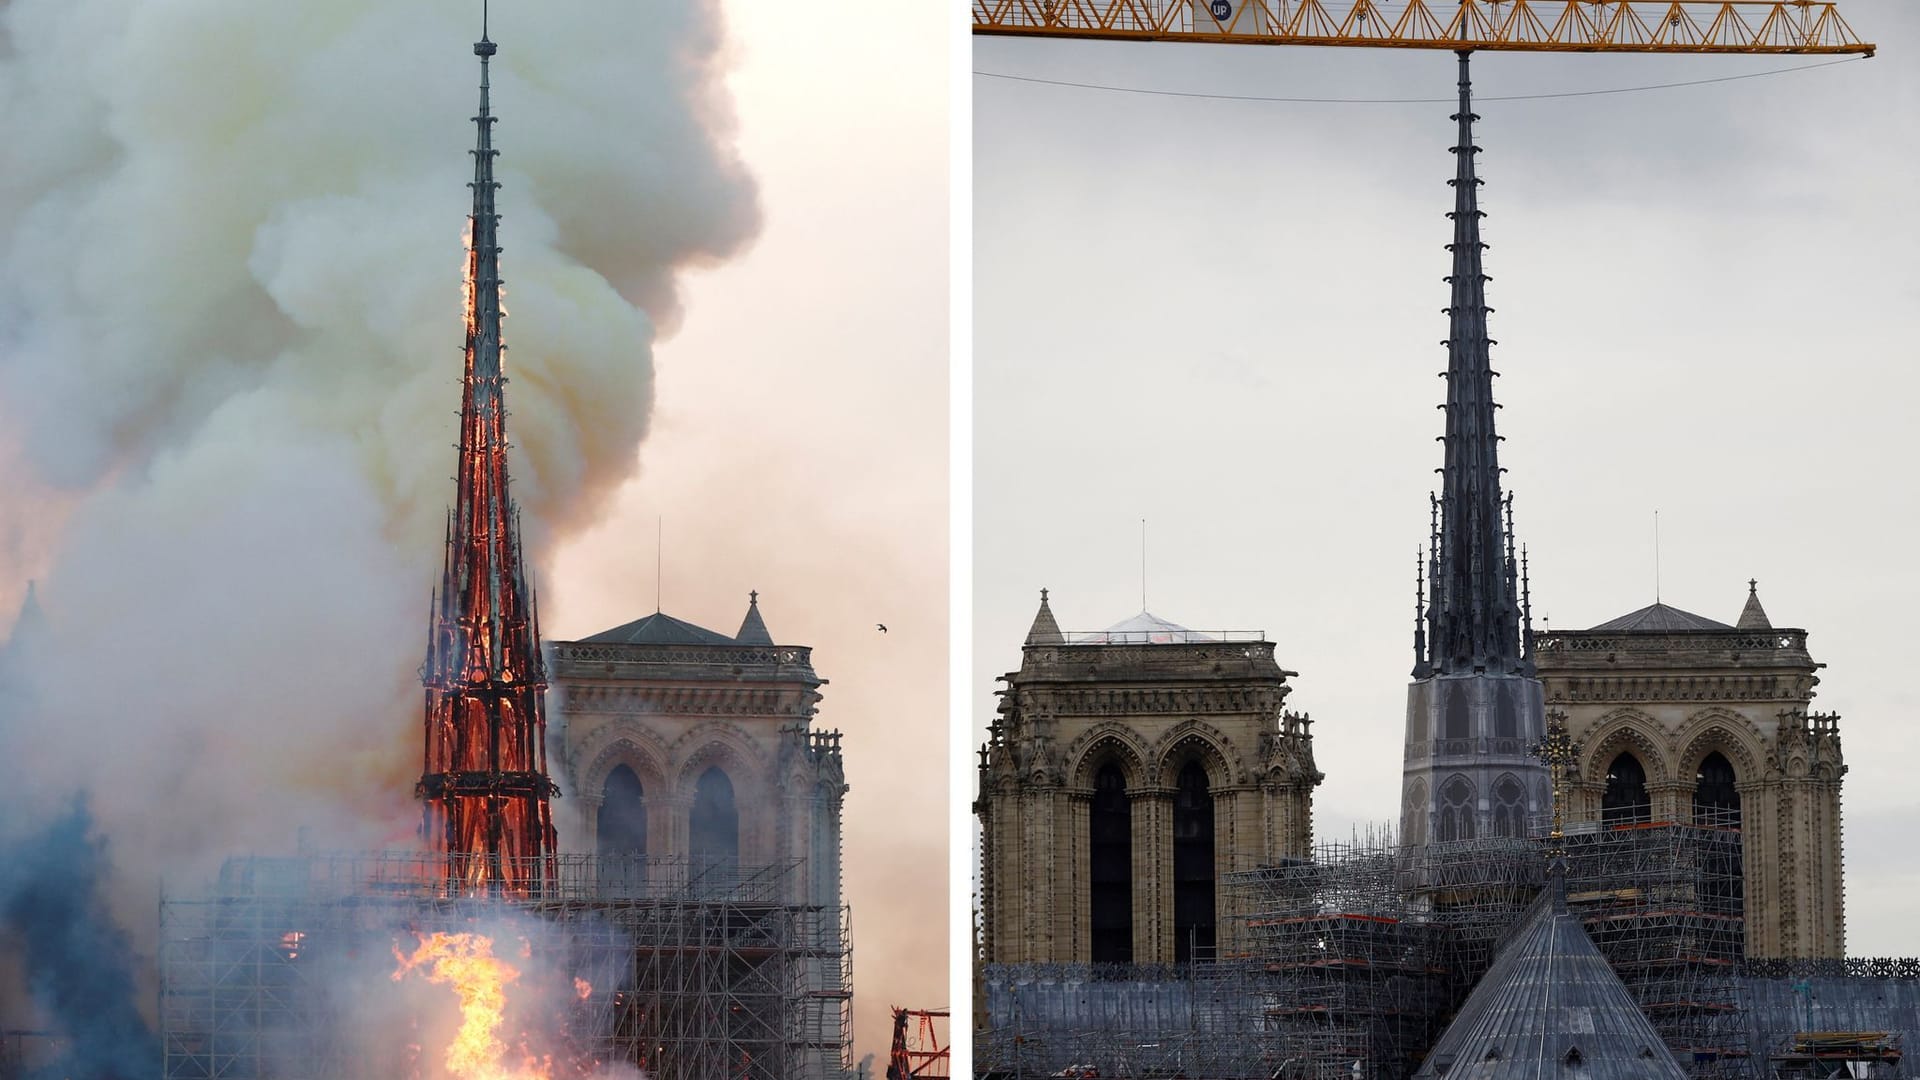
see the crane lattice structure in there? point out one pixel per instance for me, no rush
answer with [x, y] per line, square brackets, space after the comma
[1768, 27]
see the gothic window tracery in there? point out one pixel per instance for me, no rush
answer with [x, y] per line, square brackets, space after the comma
[1509, 807]
[1413, 828]
[1456, 811]
[1193, 866]
[1110, 867]
[1626, 798]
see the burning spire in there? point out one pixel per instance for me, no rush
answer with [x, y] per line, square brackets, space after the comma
[485, 784]
[1472, 613]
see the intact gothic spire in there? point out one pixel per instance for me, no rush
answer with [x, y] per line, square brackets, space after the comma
[1472, 606]
[485, 783]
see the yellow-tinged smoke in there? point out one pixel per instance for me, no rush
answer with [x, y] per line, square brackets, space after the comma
[229, 360]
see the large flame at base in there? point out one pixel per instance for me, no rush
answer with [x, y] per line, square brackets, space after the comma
[479, 978]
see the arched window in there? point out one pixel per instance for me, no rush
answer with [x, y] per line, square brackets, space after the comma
[1715, 798]
[622, 826]
[1716, 801]
[1456, 811]
[713, 831]
[1506, 718]
[1110, 869]
[1509, 808]
[1193, 910]
[1413, 819]
[1458, 724]
[1625, 799]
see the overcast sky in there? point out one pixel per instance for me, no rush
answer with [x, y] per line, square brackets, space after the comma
[1224, 317]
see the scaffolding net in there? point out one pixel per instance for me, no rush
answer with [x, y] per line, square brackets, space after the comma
[688, 969]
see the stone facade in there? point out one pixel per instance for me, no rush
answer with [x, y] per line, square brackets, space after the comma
[1680, 717]
[669, 704]
[1126, 772]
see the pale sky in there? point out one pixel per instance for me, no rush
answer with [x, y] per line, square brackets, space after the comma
[1224, 317]
[799, 448]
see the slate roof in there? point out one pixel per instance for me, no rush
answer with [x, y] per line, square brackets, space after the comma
[1045, 631]
[1550, 1007]
[1753, 616]
[660, 629]
[1659, 618]
[753, 629]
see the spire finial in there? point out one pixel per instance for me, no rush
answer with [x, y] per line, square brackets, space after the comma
[1753, 586]
[753, 597]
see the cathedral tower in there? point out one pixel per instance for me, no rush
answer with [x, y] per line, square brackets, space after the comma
[1128, 770]
[484, 784]
[1687, 719]
[1474, 707]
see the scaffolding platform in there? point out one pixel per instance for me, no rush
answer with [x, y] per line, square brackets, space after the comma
[693, 969]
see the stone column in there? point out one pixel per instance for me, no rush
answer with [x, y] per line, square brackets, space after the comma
[1672, 800]
[1152, 876]
[1072, 894]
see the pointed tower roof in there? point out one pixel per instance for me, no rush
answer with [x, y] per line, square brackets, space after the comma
[1753, 616]
[753, 629]
[1550, 1006]
[1473, 611]
[1044, 630]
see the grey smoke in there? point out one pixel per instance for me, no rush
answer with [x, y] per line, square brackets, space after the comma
[230, 252]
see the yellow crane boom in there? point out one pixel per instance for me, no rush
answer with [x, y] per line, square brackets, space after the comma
[1646, 26]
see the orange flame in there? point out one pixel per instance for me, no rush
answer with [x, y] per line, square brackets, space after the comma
[583, 988]
[479, 979]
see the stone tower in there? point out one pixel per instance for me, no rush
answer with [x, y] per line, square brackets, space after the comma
[484, 784]
[1683, 718]
[1127, 770]
[684, 744]
[1474, 706]
[691, 755]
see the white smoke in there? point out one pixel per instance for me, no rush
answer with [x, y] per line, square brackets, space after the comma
[230, 259]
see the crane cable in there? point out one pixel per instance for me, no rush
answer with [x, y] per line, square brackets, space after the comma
[1408, 101]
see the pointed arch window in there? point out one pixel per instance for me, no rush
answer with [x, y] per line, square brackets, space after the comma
[1193, 906]
[1456, 811]
[1716, 798]
[1626, 799]
[1413, 824]
[1506, 716]
[713, 829]
[1509, 807]
[1458, 723]
[1110, 867]
[622, 824]
[1716, 802]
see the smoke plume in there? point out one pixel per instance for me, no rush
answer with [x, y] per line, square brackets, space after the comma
[230, 294]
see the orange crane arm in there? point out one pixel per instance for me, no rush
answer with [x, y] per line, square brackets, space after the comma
[1645, 26]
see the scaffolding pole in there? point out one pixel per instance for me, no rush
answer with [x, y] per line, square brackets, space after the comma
[691, 970]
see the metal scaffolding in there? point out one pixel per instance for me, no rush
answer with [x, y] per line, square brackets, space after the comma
[1352, 962]
[690, 970]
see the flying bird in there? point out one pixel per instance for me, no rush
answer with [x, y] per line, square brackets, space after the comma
[882, 626]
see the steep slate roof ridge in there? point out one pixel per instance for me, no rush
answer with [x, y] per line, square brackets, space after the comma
[660, 629]
[1550, 996]
[1658, 618]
